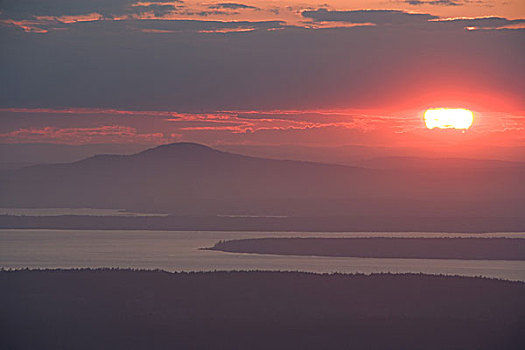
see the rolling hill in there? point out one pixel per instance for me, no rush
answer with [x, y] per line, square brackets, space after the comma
[192, 179]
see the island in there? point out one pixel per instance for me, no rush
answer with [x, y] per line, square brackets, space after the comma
[384, 247]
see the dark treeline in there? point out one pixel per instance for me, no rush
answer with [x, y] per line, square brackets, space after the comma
[124, 309]
[423, 248]
[307, 224]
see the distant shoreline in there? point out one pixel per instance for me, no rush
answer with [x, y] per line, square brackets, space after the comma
[391, 248]
[267, 224]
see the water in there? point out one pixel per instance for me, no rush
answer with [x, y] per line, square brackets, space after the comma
[71, 211]
[179, 251]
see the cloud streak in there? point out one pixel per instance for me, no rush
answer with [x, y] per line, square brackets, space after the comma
[378, 17]
[101, 134]
[433, 2]
[232, 6]
[26, 9]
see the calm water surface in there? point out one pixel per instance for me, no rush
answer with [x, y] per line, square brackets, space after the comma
[71, 211]
[179, 251]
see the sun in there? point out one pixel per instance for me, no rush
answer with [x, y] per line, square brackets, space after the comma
[448, 118]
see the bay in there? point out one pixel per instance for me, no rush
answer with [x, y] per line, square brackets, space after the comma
[181, 251]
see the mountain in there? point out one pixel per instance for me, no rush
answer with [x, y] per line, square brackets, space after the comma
[192, 179]
[17, 155]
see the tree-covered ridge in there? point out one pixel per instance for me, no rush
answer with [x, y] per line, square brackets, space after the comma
[126, 309]
[385, 247]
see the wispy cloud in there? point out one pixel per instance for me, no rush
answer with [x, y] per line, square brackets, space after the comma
[378, 17]
[452, 3]
[101, 134]
[232, 6]
[323, 126]
[433, 2]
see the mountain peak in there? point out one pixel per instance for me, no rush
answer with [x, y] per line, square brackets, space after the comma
[180, 145]
[179, 150]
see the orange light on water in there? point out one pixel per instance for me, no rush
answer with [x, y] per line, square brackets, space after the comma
[448, 118]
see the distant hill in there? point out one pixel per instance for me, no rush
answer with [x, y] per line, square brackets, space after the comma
[17, 155]
[436, 163]
[187, 178]
[352, 154]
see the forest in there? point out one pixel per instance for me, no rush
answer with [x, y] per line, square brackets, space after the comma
[384, 247]
[133, 309]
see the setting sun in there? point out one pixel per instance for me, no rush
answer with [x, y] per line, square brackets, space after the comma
[448, 118]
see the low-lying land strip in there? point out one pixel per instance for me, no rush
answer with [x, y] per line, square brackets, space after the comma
[373, 223]
[415, 248]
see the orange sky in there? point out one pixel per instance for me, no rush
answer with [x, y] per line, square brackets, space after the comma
[289, 9]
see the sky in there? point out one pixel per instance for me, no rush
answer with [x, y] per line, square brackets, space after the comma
[309, 73]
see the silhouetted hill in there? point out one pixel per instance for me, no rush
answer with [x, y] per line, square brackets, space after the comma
[39, 153]
[122, 309]
[186, 178]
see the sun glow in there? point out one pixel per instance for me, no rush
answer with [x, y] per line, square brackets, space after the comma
[448, 118]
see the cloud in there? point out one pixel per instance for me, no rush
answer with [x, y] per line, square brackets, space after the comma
[189, 65]
[210, 13]
[20, 9]
[423, 21]
[378, 17]
[202, 26]
[158, 10]
[101, 134]
[119, 71]
[154, 122]
[232, 6]
[445, 3]
[17, 10]
[99, 27]
[149, 122]
[434, 2]
[322, 127]
[481, 22]
[225, 8]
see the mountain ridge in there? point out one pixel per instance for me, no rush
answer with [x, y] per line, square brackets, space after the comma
[188, 178]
